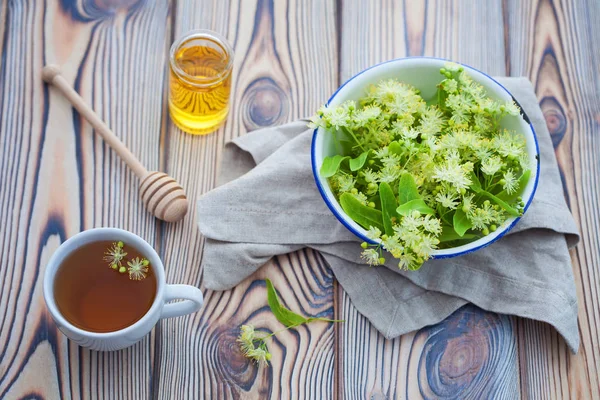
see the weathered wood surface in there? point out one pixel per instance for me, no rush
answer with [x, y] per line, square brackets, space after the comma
[474, 354]
[57, 178]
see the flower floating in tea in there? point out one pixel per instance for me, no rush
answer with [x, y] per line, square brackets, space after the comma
[115, 254]
[138, 268]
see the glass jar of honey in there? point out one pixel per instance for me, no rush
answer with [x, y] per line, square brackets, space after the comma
[200, 81]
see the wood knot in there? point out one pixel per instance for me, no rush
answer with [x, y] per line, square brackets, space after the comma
[462, 352]
[555, 119]
[264, 103]
[93, 10]
[231, 361]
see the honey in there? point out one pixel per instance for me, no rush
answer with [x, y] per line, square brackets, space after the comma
[200, 81]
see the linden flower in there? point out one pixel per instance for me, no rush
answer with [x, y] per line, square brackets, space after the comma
[409, 133]
[369, 175]
[432, 225]
[509, 144]
[391, 244]
[412, 222]
[425, 246]
[389, 173]
[432, 121]
[406, 261]
[114, 255]
[390, 160]
[247, 339]
[371, 257]
[337, 117]
[510, 182]
[453, 173]
[480, 218]
[345, 182]
[138, 268]
[468, 206]
[450, 85]
[360, 197]
[367, 114]
[317, 122]
[373, 233]
[453, 67]
[387, 91]
[491, 165]
[511, 108]
[447, 200]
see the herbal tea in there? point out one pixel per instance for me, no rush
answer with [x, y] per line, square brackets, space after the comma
[200, 82]
[104, 286]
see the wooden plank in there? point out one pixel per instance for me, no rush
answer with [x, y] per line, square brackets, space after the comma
[57, 178]
[555, 45]
[472, 354]
[282, 68]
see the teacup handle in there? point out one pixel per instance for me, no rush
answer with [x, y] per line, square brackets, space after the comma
[191, 295]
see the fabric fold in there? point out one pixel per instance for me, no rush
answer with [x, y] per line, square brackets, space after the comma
[267, 204]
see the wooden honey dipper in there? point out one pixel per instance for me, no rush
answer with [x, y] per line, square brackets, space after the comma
[161, 194]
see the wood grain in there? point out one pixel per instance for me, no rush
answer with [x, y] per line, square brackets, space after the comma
[279, 75]
[552, 44]
[57, 178]
[471, 354]
[540, 40]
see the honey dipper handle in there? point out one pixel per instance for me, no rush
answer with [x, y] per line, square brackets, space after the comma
[51, 74]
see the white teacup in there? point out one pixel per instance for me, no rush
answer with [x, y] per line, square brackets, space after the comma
[116, 340]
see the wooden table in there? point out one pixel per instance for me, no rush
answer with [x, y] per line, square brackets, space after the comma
[57, 178]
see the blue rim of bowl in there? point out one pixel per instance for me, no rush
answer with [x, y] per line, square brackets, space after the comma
[434, 256]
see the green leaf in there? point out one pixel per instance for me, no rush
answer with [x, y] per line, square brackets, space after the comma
[287, 317]
[501, 203]
[331, 165]
[450, 235]
[358, 162]
[346, 146]
[388, 206]
[395, 148]
[283, 315]
[461, 222]
[447, 218]
[311, 319]
[407, 189]
[361, 214]
[417, 204]
[475, 184]
[509, 198]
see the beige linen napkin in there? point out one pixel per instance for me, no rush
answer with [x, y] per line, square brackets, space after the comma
[268, 204]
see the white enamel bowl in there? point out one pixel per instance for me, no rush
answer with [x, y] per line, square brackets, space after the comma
[423, 73]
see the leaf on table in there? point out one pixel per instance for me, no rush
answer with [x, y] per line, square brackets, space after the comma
[461, 223]
[407, 189]
[287, 317]
[358, 162]
[363, 215]
[412, 205]
[331, 165]
[388, 207]
[283, 315]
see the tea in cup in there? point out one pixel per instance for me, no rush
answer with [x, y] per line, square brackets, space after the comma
[105, 289]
